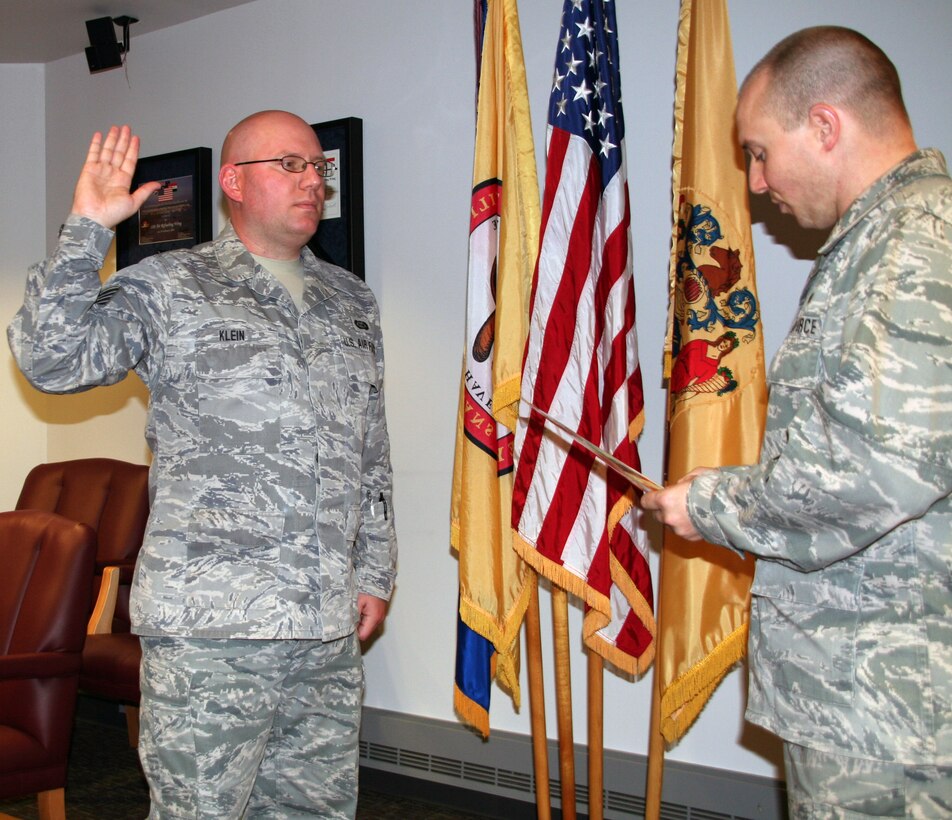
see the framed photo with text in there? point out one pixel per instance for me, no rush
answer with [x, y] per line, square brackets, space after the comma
[178, 215]
[340, 236]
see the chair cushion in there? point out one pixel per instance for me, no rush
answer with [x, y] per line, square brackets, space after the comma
[110, 496]
[29, 665]
[48, 577]
[111, 666]
[25, 766]
[48, 570]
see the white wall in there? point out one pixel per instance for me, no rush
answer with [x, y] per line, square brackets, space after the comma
[22, 230]
[407, 70]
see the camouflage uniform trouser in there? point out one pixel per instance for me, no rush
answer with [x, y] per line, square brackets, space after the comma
[247, 728]
[836, 787]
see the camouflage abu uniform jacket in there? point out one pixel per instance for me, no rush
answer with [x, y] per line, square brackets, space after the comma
[271, 479]
[851, 620]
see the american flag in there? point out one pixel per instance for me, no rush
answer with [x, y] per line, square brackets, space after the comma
[167, 192]
[576, 522]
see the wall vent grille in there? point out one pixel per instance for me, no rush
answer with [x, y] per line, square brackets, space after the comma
[379, 752]
[440, 752]
[616, 803]
[517, 781]
[625, 803]
[447, 766]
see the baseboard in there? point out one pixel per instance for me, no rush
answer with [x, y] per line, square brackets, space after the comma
[445, 798]
[445, 755]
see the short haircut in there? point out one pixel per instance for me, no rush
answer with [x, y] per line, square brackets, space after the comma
[835, 65]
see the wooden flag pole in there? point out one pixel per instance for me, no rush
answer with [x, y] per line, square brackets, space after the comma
[596, 736]
[655, 775]
[563, 699]
[540, 754]
[655, 755]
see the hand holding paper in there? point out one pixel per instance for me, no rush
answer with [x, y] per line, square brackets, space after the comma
[670, 505]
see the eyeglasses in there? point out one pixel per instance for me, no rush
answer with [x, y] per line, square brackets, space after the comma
[297, 165]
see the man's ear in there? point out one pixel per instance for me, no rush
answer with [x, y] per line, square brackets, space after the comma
[229, 178]
[826, 123]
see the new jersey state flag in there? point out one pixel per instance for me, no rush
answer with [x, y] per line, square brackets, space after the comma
[504, 230]
[717, 394]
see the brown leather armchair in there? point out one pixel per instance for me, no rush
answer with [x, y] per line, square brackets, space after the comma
[44, 600]
[112, 497]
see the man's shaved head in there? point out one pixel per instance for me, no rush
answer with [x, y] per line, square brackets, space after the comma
[834, 65]
[243, 139]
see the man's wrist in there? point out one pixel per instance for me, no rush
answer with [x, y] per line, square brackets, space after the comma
[699, 506]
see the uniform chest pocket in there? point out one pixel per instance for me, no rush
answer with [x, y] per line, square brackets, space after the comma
[240, 395]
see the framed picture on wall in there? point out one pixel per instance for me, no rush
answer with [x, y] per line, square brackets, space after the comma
[178, 215]
[340, 236]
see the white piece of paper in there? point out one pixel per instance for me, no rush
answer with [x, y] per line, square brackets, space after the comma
[625, 471]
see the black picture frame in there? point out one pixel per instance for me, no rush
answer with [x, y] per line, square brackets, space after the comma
[340, 235]
[179, 215]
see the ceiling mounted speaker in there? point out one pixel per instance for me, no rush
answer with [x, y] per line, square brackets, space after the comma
[104, 50]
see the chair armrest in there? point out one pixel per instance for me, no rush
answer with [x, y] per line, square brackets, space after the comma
[126, 568]
[39, 665]
[100, 622]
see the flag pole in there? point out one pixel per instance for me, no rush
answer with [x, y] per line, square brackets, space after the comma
[655, 775]
[654, 779]
[596, 736]
[563, 693]
[540, 757]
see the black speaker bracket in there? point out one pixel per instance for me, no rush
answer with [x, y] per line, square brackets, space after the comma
[125, 21]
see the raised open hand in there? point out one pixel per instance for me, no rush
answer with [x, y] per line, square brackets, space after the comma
[102, 192]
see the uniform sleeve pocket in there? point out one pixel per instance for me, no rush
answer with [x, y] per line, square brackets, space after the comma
[796, 364]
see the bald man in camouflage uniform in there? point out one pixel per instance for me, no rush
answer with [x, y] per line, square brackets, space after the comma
[849, 509]
[270, 549]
